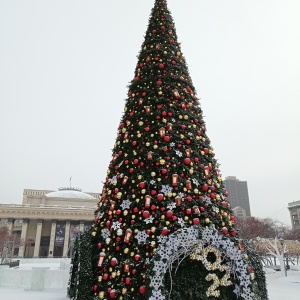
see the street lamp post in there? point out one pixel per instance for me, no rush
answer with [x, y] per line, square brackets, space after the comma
[281, 241]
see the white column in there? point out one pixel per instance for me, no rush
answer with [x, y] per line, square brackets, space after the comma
[81, 226]
[38, 238]
[66, 241]
[23, 238]
[10, 225]
[52, 238]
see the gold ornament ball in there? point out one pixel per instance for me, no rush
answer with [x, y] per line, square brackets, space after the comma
[153, 174]
[101, 295]
[155, 147]
[126, 250]
[207, 220]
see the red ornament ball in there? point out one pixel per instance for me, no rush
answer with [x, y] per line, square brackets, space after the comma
[187, 161]
[142, 290]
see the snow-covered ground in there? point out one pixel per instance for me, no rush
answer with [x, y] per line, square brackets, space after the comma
[280, 288]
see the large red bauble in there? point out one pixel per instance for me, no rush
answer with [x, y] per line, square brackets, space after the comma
[159, 82]
[161, 66]
[133, 272]
[196, 221]
[112, 294]
[113, 261]
[187, 142]
[167, 138]
[189, 198]
[105, 276]
[188, 211]
[187, 161]
[95, 287]
[142, 185]
[169, 214]
[196, 159]
[127, 280]
[225, 230]
[99, 245]
[153, 207]
[164, 171]
[136, 161]
[205, 150]
[233, 233]
[153, 192]
[160, 197]
[142, 290]
[137, 257]
[146, 214]
[164, 113]
[165, 231]
[204, 187]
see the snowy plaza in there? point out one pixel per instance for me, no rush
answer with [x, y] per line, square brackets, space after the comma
[14, 284]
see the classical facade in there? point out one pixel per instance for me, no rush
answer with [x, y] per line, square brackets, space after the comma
[47, 221]
[294, 208]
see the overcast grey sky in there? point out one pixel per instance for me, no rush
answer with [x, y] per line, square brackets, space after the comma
[65, 65]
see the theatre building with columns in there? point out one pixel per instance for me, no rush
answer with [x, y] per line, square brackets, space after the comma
[46, 223]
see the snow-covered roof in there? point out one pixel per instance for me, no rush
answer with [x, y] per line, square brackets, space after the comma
[70, 193]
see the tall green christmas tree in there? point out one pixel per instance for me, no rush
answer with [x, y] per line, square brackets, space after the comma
[163, 228]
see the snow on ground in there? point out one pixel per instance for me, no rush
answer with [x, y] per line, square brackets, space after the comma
[279, 288]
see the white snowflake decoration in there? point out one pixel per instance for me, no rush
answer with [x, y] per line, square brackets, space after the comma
[215, 209]
[125, 204]
[195, 181]
[166, 189]
[149, 220]
[116, 225]
[141, 236]
[114, 180]
[106, 233]
[171, 206]
[178, 153]
[181, 195]
[152, 182]
[181, 222]
[207, 200]
[172, 144]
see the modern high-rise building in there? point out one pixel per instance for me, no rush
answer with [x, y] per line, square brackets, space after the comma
[238, 193]
[294, 208]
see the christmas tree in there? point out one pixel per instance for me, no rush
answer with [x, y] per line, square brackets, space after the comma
[163, 228]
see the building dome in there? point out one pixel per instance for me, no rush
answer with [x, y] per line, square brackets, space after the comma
[70, 193]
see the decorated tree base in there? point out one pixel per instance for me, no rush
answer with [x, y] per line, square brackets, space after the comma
[164, 206]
